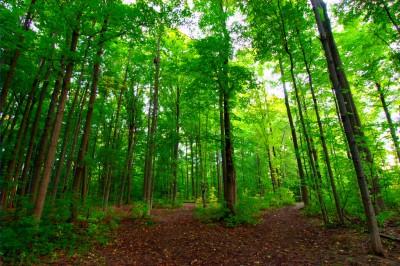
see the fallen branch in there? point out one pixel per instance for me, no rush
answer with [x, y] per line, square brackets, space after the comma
[393, 238]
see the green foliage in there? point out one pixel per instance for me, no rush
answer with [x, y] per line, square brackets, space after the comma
[139, 210]
[282, 197]
[23, 241]
[161, 203]
[212, 214]
[385, 216]
[248, 210]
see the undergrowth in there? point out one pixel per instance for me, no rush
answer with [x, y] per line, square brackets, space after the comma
[23, 241]
[248, 209]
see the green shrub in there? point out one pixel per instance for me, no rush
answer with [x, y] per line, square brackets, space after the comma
[167, 204]
[23, 241]
[384, 216]
[281, 197]
[139, 210]
[211, 214]
[247, 211]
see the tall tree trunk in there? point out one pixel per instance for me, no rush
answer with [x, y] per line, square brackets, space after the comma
[34, 130]
[304, 190]
[230, 195]
[271, 169]
[126, 175]
[14, 60]
[341, 86]
[40, 199]
[222, 126]
[310, 146]
[148, 178]
[389, 120]
[194, 193]
[44, 139]
[391, 17]
[68, 126]
[71, 153]
[12, 172]
[321, 134]
[80, 167]
[176, 147]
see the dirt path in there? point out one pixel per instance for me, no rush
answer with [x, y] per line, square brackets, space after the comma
[285, 237]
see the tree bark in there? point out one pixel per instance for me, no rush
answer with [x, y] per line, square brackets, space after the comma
[68, 126]
[230, 195]
[341, 86]
[148, 178]
[12, 172]
[80, 167]
[392, 127]
[34, 130]
[176, 147]
[44, 139]
[304, 190]
[310, 147]
[322, 134]
[14, 60]
[39, 203]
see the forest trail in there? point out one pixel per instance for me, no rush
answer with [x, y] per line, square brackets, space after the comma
[284, 237]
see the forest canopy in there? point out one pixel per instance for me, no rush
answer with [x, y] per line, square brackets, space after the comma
[232, 105]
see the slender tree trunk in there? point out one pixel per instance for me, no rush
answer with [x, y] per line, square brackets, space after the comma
[338, 79]
[12, 172]
[176, 147]
[310, 147]
[14, 60]
[128, 167]
[304, 190]
[391, 17]
[71, 154]
[322, 134]
[271, 169]
[34, 130]
[80, 167]
[222, 126]
[68, 126]
[194, 194]
[44, 139]
[39, 203]
[392, 127]
[148, 178]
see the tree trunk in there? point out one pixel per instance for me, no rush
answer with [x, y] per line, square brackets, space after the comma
[148, 178]
[230, 195]
[34, 129]
[304, 190]
[14, 60]
[310, 147]
[176, 147]
[44, 139]
[80, 167]
[341, 86]
[39, 203]
[68, 126]
[12, 172]
[322, 134]
[389, 120]
[71, 154]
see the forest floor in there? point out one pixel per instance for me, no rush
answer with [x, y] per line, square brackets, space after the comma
[284, 237]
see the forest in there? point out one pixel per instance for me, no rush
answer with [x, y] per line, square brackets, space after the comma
[200, 132]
